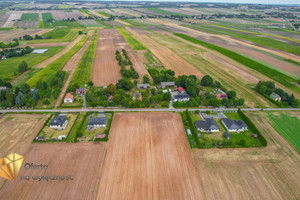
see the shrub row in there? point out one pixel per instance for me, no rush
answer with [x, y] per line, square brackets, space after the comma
[253, 128]
[271, 73]
[192, 128]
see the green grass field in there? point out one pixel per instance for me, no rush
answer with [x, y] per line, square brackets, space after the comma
[47, 20]
[58, 35]
[83, 73]
[165, 12]
[286, 125]
[136, 45]
[271, 73]
[47, 73]
[104, 14]
[29, 17]
[10, 66]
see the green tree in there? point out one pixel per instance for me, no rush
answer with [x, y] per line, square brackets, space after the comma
[111, 88]
[23, 67]
[206, 80]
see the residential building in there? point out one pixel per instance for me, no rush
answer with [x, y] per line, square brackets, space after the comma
[180, 90]
[80, 91]
[137, 96]
[234, 125]
[97, 122]
[207, 125]
[181, 97]
[167, 84]
[142, 86]
[69, 98]
[275, 96]
[222, 96]
[59, 122]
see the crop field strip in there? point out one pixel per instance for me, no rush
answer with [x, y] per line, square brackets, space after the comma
[141, 149]
[29, 17]
[47, 73]
[73, 63]
[106, 69]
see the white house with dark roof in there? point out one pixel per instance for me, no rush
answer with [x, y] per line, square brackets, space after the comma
[59, 122]
[234, 125]
[207, 125]
[97, 122]
[167, 84]
[142, 86]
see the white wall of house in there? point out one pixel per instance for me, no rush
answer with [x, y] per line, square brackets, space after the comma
[68, 100]
[60, 127]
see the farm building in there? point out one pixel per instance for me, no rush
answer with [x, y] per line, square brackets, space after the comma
[142, 86]
[180, 90]
[181, 97]
[207, 125]
[69, 98]
[96, 122]
[227, 135]
[234, 125]
[275, 96]
[80, 91]
[59, 122]
[167, 84]
[137, 96]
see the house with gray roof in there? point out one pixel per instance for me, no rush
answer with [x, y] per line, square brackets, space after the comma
[275, 97]
[59, 122]
[181, 97]
[234, 125]
[167, 84]
[142, 86]
[97, 122]
[207, 125]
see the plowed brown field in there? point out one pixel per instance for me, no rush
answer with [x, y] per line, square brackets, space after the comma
[148, 157]
[106, 69]
[81, 160]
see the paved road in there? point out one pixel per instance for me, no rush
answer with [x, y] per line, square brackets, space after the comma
[147, 109]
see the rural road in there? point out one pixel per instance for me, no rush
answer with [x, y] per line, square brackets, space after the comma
[146, 109]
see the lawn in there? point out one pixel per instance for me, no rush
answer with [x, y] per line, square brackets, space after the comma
[77, 126]
[9, 66]
[50, 133]
[29, 17]
[83, 73]
[287, 124]
[136, 45]
[271, 73]
[51, 69]
[233, 115]
[104, 14]
[25, 76]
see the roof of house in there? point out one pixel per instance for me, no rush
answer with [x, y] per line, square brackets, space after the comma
[226, 134]
[181, 96]
[167, 83]
[69, 95]
[180, 89]
[208, 123]
[58, 120]
[220, 96]
[135, 94]
[143, 85]
[234, 124]
[274, 95]
[3, 88]
[97, 120]
[80, 90]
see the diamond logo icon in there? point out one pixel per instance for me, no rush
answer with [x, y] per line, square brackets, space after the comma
[10, 166]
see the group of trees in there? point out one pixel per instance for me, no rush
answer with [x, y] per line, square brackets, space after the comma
[161, 76]
[36, 37]
[266, 88]
[16, 52]
[124, 62]
[14, 43]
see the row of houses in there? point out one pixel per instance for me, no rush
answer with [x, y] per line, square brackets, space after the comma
[210, 125]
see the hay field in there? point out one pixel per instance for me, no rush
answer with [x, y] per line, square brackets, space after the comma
[254, 173]
[148, 157]
[81, 160]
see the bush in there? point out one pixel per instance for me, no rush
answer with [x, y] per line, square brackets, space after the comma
[46, 102]
[193, 128]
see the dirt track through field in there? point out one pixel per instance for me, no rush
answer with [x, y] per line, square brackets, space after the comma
[81, 160]
[167, 57]
[71, 65]
[9, 35]
[106, 69]
[148, 157]
[252, 173]
[46, 62]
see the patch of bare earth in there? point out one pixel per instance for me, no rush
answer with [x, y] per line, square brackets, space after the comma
[148, 157]
[82, 161]
[252, 173]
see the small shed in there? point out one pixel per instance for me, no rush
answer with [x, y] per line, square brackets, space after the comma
[188, 131]
[99, 136]
[227, 135]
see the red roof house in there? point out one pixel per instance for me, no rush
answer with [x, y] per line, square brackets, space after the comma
[69, 98]
[180, 90]
[221, 96]
[80, 91]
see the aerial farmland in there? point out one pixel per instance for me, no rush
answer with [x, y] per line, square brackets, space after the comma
[149, 100]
